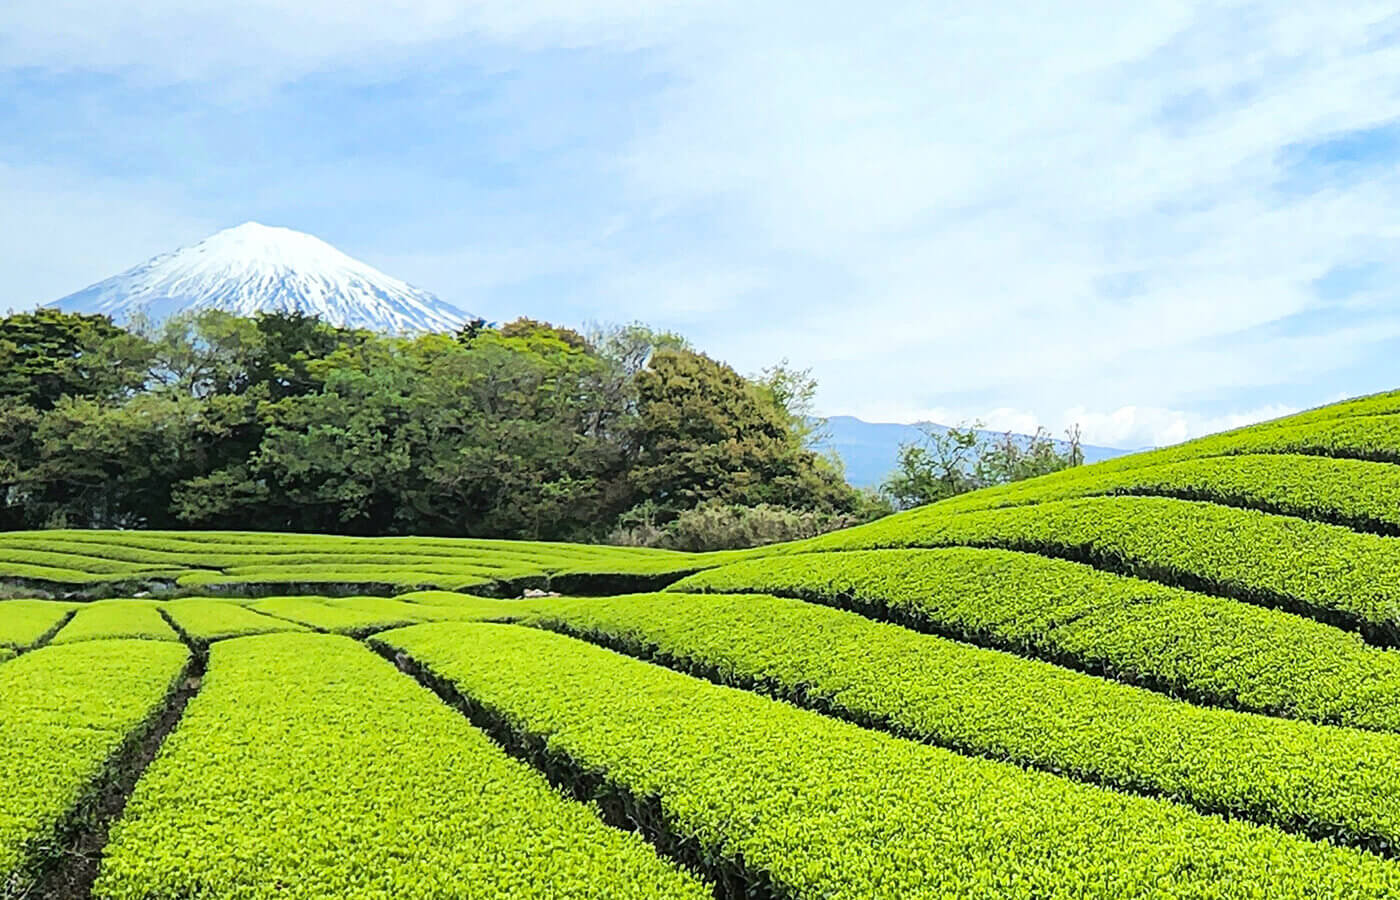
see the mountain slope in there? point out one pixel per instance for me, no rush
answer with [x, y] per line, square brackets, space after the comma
[254, 268]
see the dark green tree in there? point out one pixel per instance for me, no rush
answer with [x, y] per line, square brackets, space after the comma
[705, 433]
[48, 354]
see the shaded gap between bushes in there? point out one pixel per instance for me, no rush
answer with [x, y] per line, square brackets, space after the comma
[730, 877]
[1385, 635]
[70, 869]
[881, 610]
[47, 636]
[807, 696]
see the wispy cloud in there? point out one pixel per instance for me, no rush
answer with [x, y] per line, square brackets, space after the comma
[1151, 218]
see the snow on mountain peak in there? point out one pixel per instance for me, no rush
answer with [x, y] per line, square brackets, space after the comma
[254, 267]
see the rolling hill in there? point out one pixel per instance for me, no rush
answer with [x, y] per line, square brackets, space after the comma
[1169, 674]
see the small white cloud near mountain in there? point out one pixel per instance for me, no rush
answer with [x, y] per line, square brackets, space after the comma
[254, 268]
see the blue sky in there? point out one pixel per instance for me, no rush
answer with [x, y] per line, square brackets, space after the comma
[1154, 219]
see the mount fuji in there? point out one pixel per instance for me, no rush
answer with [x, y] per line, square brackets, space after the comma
[256, 268]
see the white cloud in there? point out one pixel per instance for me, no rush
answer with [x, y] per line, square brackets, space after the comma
[1019, 208]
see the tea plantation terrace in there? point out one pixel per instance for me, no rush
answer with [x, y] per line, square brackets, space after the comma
[1171, 674]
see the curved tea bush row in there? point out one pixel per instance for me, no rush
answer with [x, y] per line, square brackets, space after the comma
[353, 615]
[331, 577]
[399, 610]
[314, 613]
[64, 712]
[24, 623]
[470, 606]
[829, 810]
[119, 544]
[256, 563]
[1374, 437]
[1190, 645]
[1360, 495]
[205, 621]
[1332, 782]
[308, 767]
[91, 565]
[1325, 571]
[107, 619]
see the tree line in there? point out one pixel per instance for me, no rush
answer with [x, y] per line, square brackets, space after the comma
[283, 422]
[528, 430]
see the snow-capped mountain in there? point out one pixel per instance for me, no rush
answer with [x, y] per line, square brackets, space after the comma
[255, 267]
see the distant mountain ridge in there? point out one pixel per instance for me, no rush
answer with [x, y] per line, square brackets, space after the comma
[257, 268]
[870, 449]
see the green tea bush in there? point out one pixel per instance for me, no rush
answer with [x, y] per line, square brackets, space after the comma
[1325, 571]
[1332, 782]
[64, 712]
[817, 808]
[204, 621]
[1354, 493]
[107, 619]
[308, 767]
[24, 623]
[1190, 645]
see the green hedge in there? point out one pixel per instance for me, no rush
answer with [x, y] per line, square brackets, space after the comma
[1373, 436]
[204, 621]
[308, 767]
[326, 579]
[315, 613]
[1191, 645]
[64, 713]
[1357, 494]
[817, 808]
[1325, 571]
[108, 619]
[93, 565]
[1329, 782]
[24, 623]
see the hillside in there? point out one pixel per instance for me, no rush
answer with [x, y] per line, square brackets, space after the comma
[1169, 674]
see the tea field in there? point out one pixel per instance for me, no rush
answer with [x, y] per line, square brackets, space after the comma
[1172, 674]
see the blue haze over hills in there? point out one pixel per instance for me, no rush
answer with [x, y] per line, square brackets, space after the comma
[870, 449]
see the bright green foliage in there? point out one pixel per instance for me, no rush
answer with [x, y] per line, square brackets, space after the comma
[62, 560]
[1373, 437]
[830, 810]
[1188, 644]
[352, 781]
[334, 575]
[469, 606]
[24, 623]
[317, 613]
[1325, 571]
[107, 619]
[1333, 781]
[64, 711]
[1364, 495]
[398, 610]
[251, 562]
[204, 621]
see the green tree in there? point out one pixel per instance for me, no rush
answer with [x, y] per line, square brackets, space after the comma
[952, 461]
[48, 354]
[705, 433]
